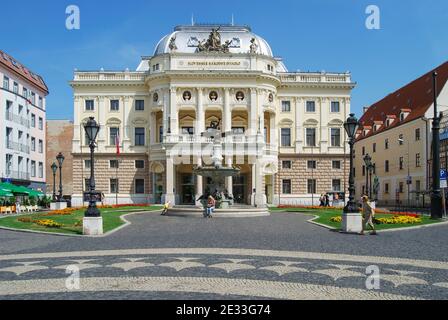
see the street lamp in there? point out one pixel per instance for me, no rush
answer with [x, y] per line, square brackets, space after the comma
[436, 196]
[408, 178]
[92, 222]
[368, 165]
[60, 159]
[54, 168]
[351, 218]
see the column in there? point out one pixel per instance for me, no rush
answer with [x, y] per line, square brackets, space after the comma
[169, 195]
[153, 128]
[125, 135]
[227, 114]
[229, 180]
[253, 117]
[173, 111]
[254, 182]
[166, 112]
[200, 116]
[199, 184]
[101, 112]
[260, 196]
[298, 103]
[323, 134]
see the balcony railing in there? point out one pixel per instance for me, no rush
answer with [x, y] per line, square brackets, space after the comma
[17, 146]
[10, 116]
[18, 175]
[316, 77]
[109, 76]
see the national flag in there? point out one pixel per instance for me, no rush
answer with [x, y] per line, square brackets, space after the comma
[117, 143]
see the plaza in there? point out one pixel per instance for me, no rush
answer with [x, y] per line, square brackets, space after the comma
[277, 257]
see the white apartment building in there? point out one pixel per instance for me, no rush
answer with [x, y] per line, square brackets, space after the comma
[284, 129]
[22, 121]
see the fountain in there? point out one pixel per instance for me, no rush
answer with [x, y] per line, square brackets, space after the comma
[216, 171]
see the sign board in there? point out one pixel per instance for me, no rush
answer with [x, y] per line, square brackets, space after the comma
[443, 179]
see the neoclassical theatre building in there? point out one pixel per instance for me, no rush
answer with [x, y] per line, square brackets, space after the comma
[283, 130]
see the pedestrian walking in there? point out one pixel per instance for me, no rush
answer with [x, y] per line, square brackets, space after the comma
[369, 215]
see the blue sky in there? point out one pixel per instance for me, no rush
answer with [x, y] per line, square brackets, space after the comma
[313, 35]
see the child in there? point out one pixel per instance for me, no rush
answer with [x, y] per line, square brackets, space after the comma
[166, 206]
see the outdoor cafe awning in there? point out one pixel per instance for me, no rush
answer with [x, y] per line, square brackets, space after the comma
[19, 190]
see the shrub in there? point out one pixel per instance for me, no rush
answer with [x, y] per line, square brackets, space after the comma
[48, 223]
[398, 220]
[25, 220]
[336, 219]
[63, 212]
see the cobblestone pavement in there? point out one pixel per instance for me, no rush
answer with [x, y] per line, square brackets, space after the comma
[277, 257]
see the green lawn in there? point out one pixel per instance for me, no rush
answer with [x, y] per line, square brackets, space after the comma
[111, 220]
[324, 216]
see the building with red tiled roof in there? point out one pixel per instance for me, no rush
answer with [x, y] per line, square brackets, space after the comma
[396, 133]
[22, 121]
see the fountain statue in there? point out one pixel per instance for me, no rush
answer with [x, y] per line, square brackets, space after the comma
[216, 172]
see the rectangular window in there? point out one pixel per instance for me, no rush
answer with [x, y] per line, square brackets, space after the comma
[363, 151]
[139, 105]
[401, 187]
[9, 160]
[310, 106]
[286, 186]
[113, 164]
[15, 88]
[90, 105]
[400, 139]
[336, 164]
[286, 137]
[41, 170]
[161, 134]
[5, 83]
[33, 120]
[87, 164]
[363, 171]
[386, 165]
[335, 106]
[41, 146]
[386, 144]
[311, 137]
[286, 106]
[113, 183]
[25, 92]
[417, 160]
[114, 105]
[139, 186]
[238, 130]
[33, 168]
[417, 185]
[417, 134]
[114, 132]
[401, 162]
[374, 147]
[139, 136]
[311, 186]
[335, 137]
[311, 164]
[286, 164]
[139, 164]
[386, 188]
[41, 102]
[336, 185]
[41, 123]
[33, 144]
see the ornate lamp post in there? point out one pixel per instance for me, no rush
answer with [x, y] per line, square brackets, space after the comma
[60, 159]
[92, 222]
[368, 164]
[436, 196]
[351, 218]
[54, 168]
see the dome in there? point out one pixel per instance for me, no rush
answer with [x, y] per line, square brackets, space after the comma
[187, 39]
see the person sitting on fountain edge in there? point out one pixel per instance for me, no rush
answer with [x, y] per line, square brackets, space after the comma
[211, 203]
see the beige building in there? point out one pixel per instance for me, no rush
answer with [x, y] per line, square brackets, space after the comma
[396, 133]
[284, 130]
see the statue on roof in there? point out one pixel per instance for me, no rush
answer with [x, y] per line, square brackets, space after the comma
[213, 43]
[172, 45]
[253, 46]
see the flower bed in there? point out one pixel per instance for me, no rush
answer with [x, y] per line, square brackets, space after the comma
[285, 206]
[48, 223]
[394, 220]
[62, 212]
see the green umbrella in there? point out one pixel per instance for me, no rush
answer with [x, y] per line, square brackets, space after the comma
[5, 193]
[16, 190]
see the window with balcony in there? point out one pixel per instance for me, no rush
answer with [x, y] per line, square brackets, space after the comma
[286, 137]
[114, 105]
[114, 133]
[139, 105]
[335, 137]
[139, 136]
[188, 130]
[286, 106]
[310, 106]
[89, 105]
[238, 130]
[335, 106]
[286, 186]
[311, 137]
